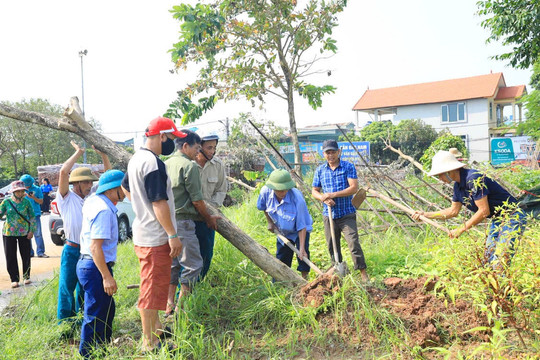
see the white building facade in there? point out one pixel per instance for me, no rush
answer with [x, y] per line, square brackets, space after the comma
[475, 109]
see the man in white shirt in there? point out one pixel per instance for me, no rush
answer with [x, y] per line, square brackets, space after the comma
[70, 203]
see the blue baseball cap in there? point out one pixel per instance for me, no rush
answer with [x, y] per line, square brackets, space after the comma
[28, 180]
[109, 180]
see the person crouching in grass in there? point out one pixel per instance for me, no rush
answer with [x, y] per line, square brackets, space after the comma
[99, 241]
[286, 210]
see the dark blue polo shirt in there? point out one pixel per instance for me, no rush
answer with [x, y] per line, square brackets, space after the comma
[474, 185]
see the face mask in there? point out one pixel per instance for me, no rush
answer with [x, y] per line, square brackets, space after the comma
[167, 147]
[448, 177]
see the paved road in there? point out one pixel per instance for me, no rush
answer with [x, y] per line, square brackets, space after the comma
[41, 268]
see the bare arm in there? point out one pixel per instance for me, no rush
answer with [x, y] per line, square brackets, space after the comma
[447, 213]
[351, 190]
[36, 199]
[104, 158]
[211, 220]
[63, 178]
[163, 215]
[109, 284]
[482, 213]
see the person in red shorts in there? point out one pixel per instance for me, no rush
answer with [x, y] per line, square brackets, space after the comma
[148, 186]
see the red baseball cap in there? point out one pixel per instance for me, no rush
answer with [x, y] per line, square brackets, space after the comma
[163, 125]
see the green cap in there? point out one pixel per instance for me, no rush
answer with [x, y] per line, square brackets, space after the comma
[280, 180]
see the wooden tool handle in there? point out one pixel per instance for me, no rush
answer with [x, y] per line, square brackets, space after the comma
[297, 252]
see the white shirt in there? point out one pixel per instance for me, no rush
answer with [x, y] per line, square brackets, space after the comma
[70, 207]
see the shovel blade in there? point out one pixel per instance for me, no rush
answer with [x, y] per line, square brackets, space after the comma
[341, 269]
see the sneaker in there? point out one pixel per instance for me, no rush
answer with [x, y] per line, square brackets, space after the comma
[43, 256]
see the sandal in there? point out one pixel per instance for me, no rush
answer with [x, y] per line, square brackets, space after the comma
[14, 285]
[165, 345]
[27, 282]
[170, 312]
[165, 333]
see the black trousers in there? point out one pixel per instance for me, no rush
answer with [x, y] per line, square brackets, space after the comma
[345, 225]
[10, 250]
[46, 203]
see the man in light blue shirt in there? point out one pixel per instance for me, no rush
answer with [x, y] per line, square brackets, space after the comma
[99, 241]
[285, 208]
[35, 195]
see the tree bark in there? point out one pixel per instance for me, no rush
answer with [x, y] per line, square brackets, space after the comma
[255, 251]
[74, 122]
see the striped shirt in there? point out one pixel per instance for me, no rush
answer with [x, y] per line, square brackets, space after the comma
[336, 180]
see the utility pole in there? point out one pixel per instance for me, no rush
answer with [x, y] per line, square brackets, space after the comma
[83, 53]
[226, 124]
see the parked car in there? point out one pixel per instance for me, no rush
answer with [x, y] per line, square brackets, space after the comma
[125, 221]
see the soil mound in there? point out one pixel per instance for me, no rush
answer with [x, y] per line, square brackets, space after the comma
[431, 321]
[313, 293]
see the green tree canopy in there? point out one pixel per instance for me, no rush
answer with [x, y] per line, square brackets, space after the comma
[531, 126]
[249, 49]
[445, 141]
[412, 136]
[517, 24]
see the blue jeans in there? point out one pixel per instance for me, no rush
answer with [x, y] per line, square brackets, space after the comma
[285, 254]
[68, 283]
[39, 238]
[206, 238]
[99, 308]
[504, 233]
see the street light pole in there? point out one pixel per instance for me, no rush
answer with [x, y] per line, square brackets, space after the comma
[83, 53]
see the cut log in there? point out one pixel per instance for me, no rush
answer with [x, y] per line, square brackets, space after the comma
[255, 251]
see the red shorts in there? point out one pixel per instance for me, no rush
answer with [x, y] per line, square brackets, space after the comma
[155, 276]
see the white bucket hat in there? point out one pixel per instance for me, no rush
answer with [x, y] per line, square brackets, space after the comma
[444, 161]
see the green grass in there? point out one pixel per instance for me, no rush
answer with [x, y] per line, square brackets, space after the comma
[237, 313]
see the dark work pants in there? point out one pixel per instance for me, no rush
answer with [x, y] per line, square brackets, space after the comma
[99, 308]
[10, 250]
[285, 254]
[206, 237]
[347, 226]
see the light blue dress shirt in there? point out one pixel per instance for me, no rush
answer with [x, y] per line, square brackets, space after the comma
[290, 215]
[100, 222]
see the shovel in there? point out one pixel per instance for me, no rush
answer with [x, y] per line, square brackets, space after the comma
[340, 267]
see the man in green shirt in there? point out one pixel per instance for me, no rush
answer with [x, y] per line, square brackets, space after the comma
[189, 207]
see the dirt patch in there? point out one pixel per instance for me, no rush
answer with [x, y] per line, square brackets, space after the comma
[431, 321]
[313, 293]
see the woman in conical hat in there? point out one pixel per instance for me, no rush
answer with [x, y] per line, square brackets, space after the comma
[483, 196]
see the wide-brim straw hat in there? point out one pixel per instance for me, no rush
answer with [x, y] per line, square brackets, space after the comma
[82, 174]
[280, 180]
[16, 186]
[444, 161]
[455, 152]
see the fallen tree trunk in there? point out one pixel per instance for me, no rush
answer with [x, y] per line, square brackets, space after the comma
[255, 251]
[74, 122]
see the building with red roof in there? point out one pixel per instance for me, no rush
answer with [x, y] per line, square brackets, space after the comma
[475, 108]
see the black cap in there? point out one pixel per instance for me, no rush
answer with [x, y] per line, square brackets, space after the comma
[330, 145]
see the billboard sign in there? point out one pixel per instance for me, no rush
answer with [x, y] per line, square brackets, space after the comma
[507, 149]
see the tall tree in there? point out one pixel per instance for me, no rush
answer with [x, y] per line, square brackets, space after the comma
[252, 48]
[517, 24]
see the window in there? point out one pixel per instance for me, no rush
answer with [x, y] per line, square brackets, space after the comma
[453, 112]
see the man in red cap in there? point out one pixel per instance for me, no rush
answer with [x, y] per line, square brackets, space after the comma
[154, 230]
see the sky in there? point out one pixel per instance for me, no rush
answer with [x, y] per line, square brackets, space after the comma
[127, 78]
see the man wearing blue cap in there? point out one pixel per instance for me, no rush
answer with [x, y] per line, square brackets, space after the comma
[35, 195]
[99, 241]
[334, 184]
